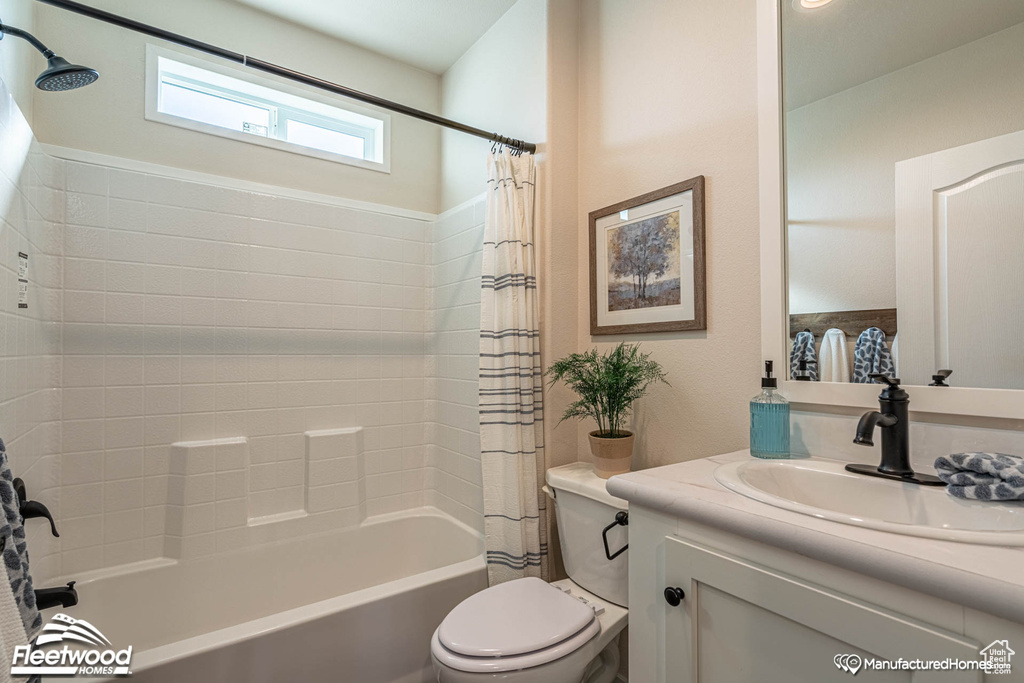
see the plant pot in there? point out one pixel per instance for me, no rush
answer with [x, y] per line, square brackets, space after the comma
[612, 455]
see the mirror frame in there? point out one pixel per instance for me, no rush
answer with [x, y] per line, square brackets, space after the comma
[975, 402]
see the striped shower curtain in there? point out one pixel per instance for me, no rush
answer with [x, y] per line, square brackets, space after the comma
[511, 428]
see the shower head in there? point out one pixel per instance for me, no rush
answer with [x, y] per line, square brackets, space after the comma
[60, 74]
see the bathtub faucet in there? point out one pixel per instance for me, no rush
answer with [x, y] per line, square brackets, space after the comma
[65, 596]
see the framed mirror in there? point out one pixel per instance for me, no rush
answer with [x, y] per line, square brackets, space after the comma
[892, 169]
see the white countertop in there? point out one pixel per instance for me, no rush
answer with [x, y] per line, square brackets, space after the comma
[987, 578]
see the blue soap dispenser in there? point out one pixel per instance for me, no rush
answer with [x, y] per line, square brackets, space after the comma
[769, 419]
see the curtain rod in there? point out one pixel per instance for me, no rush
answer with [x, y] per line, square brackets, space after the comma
[297, 76]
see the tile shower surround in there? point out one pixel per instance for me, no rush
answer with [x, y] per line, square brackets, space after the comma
[193, 312]
[31, 222]
[453, 483]
[166, 314]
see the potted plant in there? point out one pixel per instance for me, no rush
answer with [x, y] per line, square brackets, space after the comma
[607, 385]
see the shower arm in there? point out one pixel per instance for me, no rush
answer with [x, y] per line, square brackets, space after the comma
[25, 35]
[297, 76]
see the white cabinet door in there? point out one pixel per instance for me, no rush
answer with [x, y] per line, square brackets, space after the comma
[744, 623]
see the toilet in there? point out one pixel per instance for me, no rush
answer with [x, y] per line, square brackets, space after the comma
[529, 631]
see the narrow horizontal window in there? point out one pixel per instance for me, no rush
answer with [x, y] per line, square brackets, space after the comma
[326, 139]
[217, 110]
[211, 98]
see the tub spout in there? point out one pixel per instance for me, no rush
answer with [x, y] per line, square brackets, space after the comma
[65, 596]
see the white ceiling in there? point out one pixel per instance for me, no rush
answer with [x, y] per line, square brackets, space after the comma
[849, 42]
[429, 34]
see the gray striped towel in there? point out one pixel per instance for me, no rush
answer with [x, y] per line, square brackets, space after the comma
[15, 553]
[982, 476]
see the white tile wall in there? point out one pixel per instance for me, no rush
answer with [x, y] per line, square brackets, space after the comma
[206, 504]
[335, 472]
[31, 213]
[210, 496]
[454, 455]
[194, 312]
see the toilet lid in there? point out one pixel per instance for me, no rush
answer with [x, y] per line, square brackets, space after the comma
[513, 618]
[494, 665]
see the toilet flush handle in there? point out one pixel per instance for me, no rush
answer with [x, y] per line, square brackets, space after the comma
[621, 519]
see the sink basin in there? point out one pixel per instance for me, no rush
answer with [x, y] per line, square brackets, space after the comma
[823, 489]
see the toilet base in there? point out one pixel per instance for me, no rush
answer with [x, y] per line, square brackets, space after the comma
[605, 668]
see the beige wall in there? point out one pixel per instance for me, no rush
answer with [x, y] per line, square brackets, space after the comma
[638, 96]
[558, 241]
[668, 92]
[499, 85]
[20, 63]
[842, 153]
[108, 117]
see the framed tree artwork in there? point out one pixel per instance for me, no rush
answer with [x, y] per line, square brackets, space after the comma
[647, 271]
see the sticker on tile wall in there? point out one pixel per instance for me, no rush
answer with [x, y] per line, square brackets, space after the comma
[22, 280]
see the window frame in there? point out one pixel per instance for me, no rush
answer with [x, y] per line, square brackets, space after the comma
[378, 145]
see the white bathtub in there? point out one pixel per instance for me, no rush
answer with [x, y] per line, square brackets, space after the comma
[358, 605]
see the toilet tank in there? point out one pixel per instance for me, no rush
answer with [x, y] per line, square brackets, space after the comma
[583, 508]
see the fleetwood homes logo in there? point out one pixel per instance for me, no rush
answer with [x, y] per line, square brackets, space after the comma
[89, 653]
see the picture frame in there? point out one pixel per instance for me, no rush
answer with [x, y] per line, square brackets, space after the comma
[647, 263]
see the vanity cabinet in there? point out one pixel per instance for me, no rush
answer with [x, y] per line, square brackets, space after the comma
[756, 613]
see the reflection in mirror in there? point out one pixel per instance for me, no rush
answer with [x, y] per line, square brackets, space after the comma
[904, 138]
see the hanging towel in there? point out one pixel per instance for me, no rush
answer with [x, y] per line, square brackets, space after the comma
[16, 551]
[835, 361]
[803, 349]
[895, 349]
[871, 356]
[12, 632]
[982, 476]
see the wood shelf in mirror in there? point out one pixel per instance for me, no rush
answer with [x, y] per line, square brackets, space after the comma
[852, 323]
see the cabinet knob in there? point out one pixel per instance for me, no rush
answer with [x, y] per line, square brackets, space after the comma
[674, 596]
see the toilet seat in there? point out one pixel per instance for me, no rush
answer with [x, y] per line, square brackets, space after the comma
[515, 625]
[525, 661]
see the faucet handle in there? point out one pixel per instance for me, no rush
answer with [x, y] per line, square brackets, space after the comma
[892, 391]
[33, 508]
[893, 382]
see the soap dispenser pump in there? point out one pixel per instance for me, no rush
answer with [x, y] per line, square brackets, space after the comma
[769, 419]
